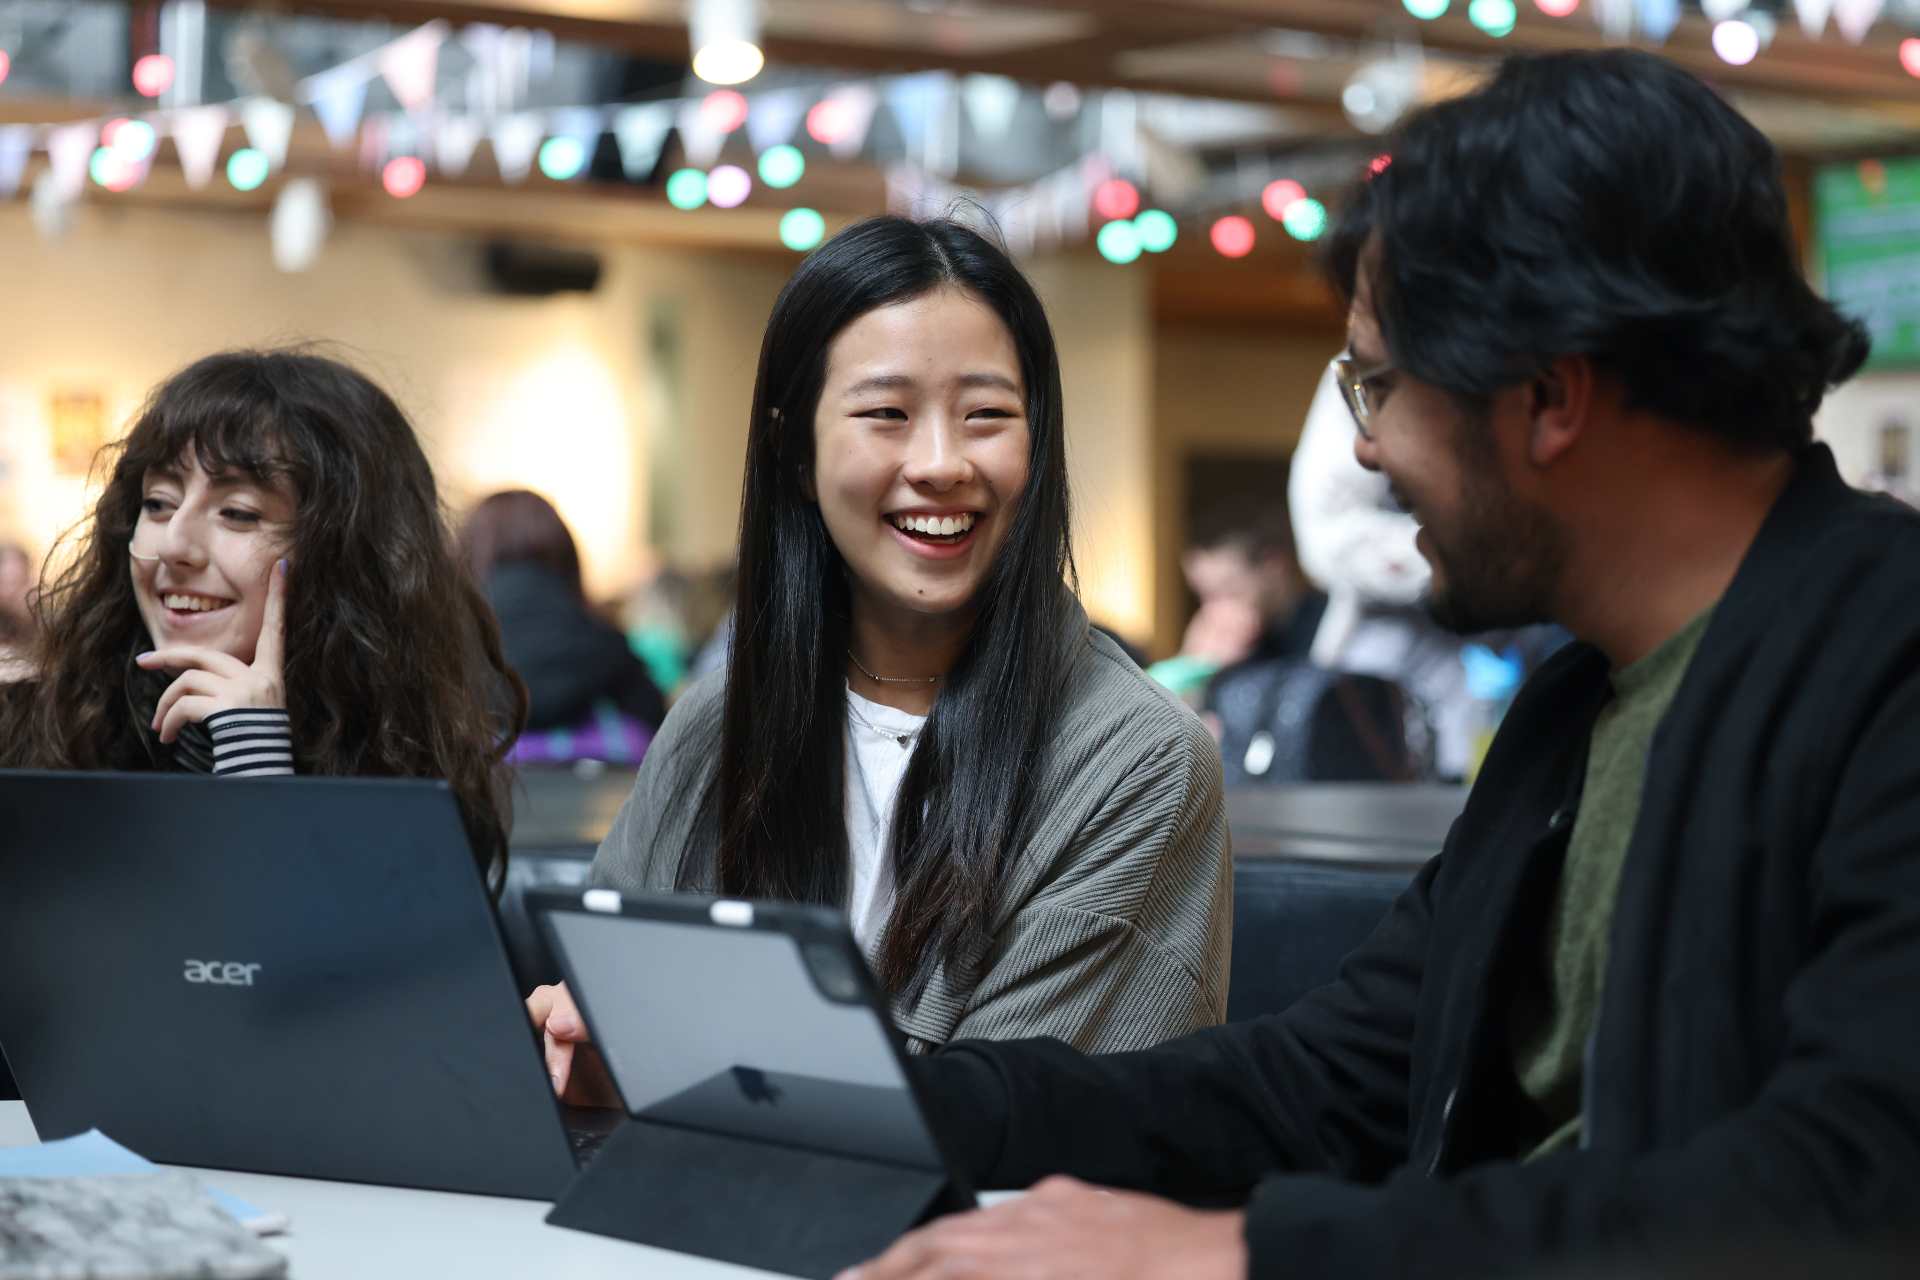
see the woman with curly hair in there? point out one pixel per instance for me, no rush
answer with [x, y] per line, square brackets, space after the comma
[267, 585]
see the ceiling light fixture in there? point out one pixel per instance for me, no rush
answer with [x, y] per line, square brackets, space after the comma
[725, 35]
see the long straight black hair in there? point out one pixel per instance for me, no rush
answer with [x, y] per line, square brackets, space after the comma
[964, 801]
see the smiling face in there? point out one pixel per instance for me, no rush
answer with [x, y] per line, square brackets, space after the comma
[1495, 555]
[201, 552]
[920, 454]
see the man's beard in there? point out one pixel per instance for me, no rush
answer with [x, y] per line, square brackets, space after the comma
[1498, 565]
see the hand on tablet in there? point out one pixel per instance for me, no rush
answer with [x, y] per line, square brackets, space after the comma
[579, 1076]
[1064, 1228]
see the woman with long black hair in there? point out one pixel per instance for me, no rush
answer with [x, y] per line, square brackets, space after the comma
[916, 722]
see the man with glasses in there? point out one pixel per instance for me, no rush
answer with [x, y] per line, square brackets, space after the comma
[1656, 994]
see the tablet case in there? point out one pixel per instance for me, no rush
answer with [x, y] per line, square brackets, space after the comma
[826, 1181]
[756, 1204]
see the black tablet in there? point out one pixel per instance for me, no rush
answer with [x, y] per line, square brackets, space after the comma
[762, 1078]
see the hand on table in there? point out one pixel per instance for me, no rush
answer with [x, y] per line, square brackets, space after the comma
[579, 1076]
[1064, 1228]
[211, 681]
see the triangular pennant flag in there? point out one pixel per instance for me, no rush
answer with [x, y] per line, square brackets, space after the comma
[772, 117]
[914, 101]
[339, 97]
[69, 148]
[857, 102]
[1658, 18]
[699, 138]
[16, 143]
[991, 102]
[269, 125]
[411, 63]
[454, 138]
[641, 131]
[375, 133]
[515, 139]
[1856, 17]
[583, 125]
[1615, 18]
[198, 134]
[1813, 16]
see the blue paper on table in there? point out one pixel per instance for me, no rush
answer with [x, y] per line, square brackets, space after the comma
[93, 1152]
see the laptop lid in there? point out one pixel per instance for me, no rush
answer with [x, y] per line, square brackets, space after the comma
[282, 975]
[752, 1019]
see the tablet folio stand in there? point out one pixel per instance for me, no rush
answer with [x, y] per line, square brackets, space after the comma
[756, 1204]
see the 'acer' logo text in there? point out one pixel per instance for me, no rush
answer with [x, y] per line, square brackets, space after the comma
[230, 973]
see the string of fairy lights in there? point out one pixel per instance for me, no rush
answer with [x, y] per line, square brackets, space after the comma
[1742, 30]
[1105, 197]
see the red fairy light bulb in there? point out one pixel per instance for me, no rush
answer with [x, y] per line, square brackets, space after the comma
[1232, 236]
[403, 176]
[1279, 195]
[1116, 198]
[153, 75]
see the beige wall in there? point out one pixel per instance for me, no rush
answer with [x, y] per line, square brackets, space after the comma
[1238, 390]
[559, 395]
[1103, 327]
[627, 407]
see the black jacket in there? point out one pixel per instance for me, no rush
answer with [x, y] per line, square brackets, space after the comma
[1755, 1069]
[569, 658]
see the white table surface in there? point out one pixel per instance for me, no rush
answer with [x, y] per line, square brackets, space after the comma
[346, 1229]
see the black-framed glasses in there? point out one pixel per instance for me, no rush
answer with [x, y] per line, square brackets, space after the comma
[1356, 388]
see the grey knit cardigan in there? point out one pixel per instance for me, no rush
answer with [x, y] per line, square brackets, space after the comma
[1115, 926]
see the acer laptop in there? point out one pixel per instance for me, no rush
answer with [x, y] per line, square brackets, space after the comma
[772, 1120]
[280, 975]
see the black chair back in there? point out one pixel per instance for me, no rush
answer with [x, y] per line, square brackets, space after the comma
[1283, 722]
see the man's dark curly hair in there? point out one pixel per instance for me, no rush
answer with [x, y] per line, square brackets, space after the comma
[1605, 204]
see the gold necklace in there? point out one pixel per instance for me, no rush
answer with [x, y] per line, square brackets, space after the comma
[890, 679]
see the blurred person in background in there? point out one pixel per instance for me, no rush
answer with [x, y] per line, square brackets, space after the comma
[588, 695]
[267, 585]
[1656, 992]
[916, 723]
[1253, 603]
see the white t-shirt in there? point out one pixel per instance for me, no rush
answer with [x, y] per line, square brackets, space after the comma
[877, 760]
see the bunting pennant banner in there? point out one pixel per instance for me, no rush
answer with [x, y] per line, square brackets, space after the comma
[69, 148]
[699, 139]
[515, 139]
[1813, 16]
[1615, 18]
[773, 117]
[991, 102]
[269, 126]
[1657, 18]
[916, 102]
[1855, 18]
[454, 140]
[857, 102]
[584, 125]
[410, 64]
[198, 135]
[641, 131]
[375, 137]
[16, 143]
[338, 99]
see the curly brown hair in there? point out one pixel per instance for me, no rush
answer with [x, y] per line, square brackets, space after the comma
[393, 661]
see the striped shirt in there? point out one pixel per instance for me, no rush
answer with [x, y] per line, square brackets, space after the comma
[239, 742]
